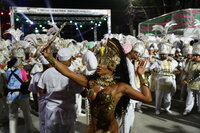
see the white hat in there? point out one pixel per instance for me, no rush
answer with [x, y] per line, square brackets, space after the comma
[187, 50]
[155, 46]
[139, 47]
[36, 68]
[18, 52]
[64, 54]
[164, 48]
[173, 50]
[43, 60]
[178, 50]
[146, 53]
[196, 49]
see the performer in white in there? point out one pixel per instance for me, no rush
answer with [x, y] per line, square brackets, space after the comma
[187, 53]
[60, 99]
[165, 84]
[89, 59]
[192, 80]
[37, 71]
[131, 53]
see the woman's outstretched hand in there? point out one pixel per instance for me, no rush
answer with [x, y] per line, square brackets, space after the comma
[141, 67]
[46, 52]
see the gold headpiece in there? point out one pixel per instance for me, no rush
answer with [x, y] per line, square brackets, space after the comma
[110, 56]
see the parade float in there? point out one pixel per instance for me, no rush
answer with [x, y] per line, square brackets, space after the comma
[185, 20]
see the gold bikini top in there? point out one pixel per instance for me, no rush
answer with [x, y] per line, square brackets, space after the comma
[101, 108]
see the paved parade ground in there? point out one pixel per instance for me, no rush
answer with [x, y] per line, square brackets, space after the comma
[146, 122]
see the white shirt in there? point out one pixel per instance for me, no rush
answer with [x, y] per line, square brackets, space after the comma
[34, 81]
[60, 90]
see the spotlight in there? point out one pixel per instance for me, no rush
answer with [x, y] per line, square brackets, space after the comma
[2, 13]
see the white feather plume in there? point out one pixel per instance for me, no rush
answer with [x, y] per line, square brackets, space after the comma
[169, 25]
[158, 28]
[15, 33]
[53, 29]
[164, 30]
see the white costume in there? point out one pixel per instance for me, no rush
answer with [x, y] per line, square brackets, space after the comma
[60, 113]
[193, 77]
[130, 115]
[41, 102]
[165, 84]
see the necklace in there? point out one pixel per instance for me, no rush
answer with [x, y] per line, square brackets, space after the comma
[105, 80]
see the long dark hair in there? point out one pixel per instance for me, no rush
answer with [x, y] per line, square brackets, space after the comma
[122, 75]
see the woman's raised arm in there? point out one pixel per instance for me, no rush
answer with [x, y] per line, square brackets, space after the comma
[145, 94]
[80, 79]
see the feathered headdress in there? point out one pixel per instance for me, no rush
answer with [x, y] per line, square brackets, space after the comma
[111, 56]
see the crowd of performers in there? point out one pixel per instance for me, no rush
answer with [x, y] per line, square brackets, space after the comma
[116, 75]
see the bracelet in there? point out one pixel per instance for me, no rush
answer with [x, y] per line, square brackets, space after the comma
[51, 60]
[145, 84]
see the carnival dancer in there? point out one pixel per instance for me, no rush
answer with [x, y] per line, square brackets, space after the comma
[165, 84]
[60, 113]
[108, 89]
[192, 80]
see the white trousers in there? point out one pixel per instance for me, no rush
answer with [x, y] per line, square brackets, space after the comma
[41, 109]
[23, 104]
[58, 121]
[164, 95]
[78, 104]
[191, 99]
[128, 120]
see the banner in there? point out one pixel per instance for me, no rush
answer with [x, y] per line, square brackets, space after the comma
[29, 10]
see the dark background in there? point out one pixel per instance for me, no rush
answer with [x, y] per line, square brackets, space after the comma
[126, 14]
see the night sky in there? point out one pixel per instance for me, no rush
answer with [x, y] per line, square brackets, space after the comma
[117, 6]
[119, 20]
